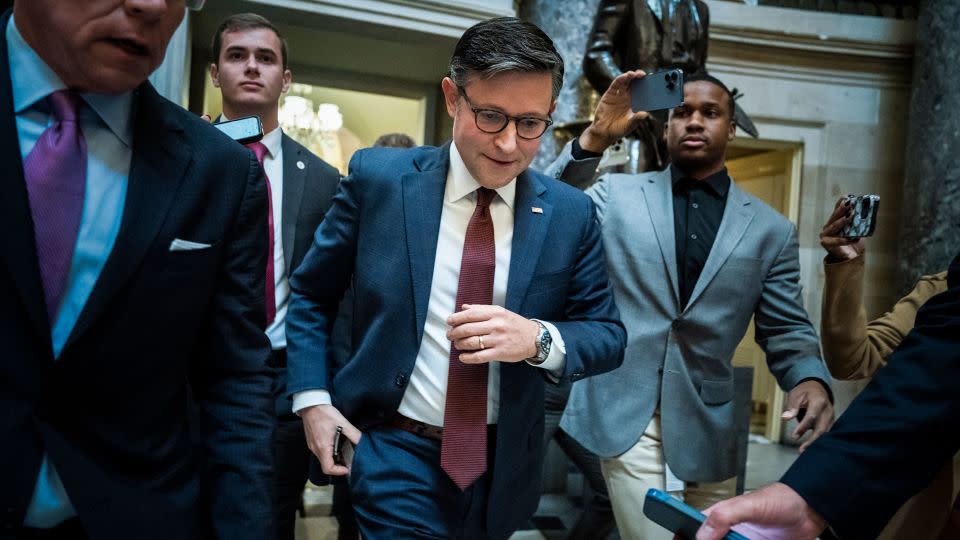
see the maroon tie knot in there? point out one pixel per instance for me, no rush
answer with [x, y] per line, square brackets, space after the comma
[485, 196]
[65, 104]
[259, 149]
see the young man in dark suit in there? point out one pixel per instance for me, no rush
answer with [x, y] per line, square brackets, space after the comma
[474, 279]
[131, 288]
[250, 69]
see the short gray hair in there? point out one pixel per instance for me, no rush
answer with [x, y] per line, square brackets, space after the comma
[505, 44]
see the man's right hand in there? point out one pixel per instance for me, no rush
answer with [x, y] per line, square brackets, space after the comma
[320, 426]
[614, 117]
[841, 248]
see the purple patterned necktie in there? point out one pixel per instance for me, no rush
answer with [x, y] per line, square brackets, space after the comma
[463, 450]
[55, 172]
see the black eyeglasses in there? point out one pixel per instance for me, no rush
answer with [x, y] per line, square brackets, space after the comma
[494, 121]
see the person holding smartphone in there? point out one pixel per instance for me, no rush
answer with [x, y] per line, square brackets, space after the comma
[855, 348]
[250, 68]
[692, 258]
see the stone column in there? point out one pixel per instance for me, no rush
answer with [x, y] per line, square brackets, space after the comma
[930, 226]
[568, 23]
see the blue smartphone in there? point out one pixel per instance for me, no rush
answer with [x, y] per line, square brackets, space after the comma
[677, 517]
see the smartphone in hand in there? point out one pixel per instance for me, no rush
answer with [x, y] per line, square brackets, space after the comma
[655, 91]
[243, 130]
[864, 220]
[677, 517]
[342, 449]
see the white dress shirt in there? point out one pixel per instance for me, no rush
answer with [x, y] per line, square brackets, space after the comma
[425, 396]
[273, 167]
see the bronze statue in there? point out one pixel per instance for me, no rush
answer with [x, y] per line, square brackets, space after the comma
[651, 35]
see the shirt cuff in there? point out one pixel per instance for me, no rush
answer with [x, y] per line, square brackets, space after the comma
[579, 153]
[557, 358]
[310, 398]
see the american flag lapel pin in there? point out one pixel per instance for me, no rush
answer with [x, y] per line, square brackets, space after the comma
[536, 209]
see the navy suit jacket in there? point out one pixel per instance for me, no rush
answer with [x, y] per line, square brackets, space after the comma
[113, 411]
[382, 232]
[899, 431]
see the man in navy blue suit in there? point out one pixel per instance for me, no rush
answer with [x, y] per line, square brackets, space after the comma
[887, 446]
[475, 279]
[132, 265]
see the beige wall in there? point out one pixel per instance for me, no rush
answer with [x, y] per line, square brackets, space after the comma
[840, 85]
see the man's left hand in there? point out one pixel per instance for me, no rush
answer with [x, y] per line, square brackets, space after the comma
[492, 334]
[812, 398]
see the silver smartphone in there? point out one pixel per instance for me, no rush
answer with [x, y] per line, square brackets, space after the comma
[656, 91]
[243, 130]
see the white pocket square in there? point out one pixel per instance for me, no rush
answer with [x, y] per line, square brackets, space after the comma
[186, 245]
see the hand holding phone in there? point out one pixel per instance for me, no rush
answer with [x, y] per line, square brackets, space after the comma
[660, 90]
[243, 130]
[342, 449]
[863, 216]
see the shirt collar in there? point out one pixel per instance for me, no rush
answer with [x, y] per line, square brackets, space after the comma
[33, 80]
[460, 183]
[272, 140]
[717, 183]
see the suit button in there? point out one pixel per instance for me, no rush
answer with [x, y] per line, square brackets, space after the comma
[576, 375]
[381, 414]
[401, 380]
[676, 323]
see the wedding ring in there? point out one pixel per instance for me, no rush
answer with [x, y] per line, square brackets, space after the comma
[481, 342]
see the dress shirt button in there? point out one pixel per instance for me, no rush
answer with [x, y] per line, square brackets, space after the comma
[676, 323]
[695, 205]
[401, 380]
[694, 236]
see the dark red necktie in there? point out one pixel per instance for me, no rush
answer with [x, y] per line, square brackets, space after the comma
[269, 289]
[463, 453]
[56, 173]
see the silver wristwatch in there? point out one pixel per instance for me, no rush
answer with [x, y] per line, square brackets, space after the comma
[544, 342]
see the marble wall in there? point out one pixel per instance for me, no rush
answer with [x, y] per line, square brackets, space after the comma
[930, 219]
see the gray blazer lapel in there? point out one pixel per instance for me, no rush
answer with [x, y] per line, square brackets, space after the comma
[737, 215]
[529, 232]
[658, 194]
[294, 178]
[422, 206]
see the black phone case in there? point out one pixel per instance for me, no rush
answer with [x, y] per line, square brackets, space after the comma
[656, 91]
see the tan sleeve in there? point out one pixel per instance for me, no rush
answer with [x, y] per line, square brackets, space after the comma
[852, 347]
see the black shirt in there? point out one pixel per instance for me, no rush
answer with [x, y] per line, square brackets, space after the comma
[697, 211]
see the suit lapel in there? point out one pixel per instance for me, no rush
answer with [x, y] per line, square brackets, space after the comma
[294, 179]
[529, 232]
[658, 195]
[160, 158]
[737, 215]
[422, 205]
[17, 245]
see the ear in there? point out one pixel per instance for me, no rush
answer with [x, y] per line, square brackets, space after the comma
[732, 132]
[287, 80]
[215, 75]
[553, 107]
[450, 95]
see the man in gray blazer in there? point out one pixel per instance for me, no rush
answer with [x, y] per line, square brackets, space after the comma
[692, 258]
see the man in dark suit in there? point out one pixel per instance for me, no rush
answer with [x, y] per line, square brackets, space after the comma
[887, 446]
[131, 286]
[250, 69]
[475, 279]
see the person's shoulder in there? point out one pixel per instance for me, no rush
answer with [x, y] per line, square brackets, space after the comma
[765, 214]
[391, 163]
[316, 163]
